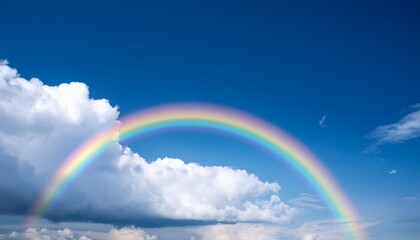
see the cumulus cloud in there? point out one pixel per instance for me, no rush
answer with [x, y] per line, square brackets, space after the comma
[405, 129]
[68, 234]
[40, 125]
[40, 122]
[393, 171]
[171, 189]
[323, 122]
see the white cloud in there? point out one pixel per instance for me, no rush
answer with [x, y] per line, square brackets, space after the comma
[311, 237]
[169, 188]
[130, 234]
[36, 118]
[323, 122]
[305, 200]
[68, 234]
[44, 234]
[405, 129]
[325, 229]
[237, 232]
[393, 171]
[40, 125]
[312, 230]
[410, 199]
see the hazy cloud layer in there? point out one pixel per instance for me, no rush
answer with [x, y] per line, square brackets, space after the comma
[237, 232]
[405, 129]
[313, 230]
[311, 237]
[68, 234]
[41, 125]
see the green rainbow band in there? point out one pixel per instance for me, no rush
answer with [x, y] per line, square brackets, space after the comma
[210, 117]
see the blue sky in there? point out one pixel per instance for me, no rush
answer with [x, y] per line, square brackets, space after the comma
[290, 63]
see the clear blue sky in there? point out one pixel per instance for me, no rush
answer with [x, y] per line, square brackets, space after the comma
[288, 62]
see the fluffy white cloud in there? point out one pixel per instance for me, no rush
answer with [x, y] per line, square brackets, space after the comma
[405, 129]
[191, 191]
[393, 171]
[68, 234]
[171, 189]
[40, 125]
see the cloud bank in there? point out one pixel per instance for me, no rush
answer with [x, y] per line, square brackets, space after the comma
[68, 234]
[41, 125]
[312, 230]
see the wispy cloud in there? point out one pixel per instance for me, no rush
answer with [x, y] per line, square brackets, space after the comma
[410, 219]
[4, 62]
[405, 129]
[323, 122]
[305, 200]
[410, 199]
[393, 172]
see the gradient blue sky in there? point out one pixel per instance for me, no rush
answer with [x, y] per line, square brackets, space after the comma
[288, 62]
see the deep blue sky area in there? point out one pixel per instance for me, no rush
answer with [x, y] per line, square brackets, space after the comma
[288, 62]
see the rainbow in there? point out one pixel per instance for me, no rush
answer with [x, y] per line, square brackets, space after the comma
[211, 117]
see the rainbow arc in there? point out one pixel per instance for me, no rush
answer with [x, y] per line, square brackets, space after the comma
[239, 124]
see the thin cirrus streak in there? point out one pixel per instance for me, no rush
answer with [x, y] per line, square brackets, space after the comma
[233, 122]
